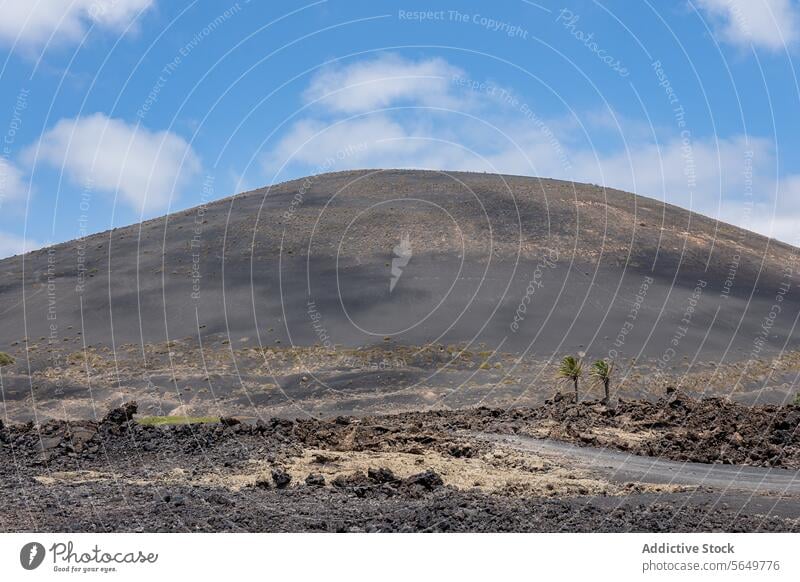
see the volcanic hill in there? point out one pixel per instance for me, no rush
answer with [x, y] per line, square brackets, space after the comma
[382, 290]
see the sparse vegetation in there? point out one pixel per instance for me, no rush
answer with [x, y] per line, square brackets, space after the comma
[602, 370]
[5, 359]
[172, 420]
[571, 369]
[796, 400]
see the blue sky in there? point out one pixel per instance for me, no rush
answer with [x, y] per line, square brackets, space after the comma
[114, 111]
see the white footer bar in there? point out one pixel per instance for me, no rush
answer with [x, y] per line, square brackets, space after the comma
[389, 557]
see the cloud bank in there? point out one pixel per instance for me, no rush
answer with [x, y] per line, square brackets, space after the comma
[34, 23]
[11, 182]
[15, 245]
[427, 115]
[145, 168]
[768, 24]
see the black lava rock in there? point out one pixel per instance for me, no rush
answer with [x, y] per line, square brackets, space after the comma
[281, 478]
[315, 480]
[382, 475]
[429, 480]
[121, 414]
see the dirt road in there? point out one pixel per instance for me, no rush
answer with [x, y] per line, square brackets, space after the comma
[620, 466]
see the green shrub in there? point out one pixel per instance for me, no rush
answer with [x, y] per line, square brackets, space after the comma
[571, 369]
[602, 370]
[5, 359]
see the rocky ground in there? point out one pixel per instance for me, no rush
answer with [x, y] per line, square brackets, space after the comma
[679, 427]
[422, 471]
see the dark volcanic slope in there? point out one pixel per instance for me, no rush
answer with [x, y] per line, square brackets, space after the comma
[249, 265]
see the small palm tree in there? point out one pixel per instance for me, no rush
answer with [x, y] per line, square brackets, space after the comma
[602, 370]
[571, 369]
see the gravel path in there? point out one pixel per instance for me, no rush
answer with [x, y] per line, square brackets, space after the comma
[621, 466]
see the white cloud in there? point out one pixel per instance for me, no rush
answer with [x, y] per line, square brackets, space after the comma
[771, 24]
[778, 217]
[732, 179]
[701, 178]
[146, 168]
[367, 141]
[36, 22]
[377, 82]
[11, 245]
[11, 183]
[709, 179]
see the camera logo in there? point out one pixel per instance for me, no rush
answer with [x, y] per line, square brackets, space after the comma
[402, 254]
[31, 555]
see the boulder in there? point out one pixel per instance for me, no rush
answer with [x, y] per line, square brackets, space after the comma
[121, 414]
[429, 480]
[381, 475]
[315, 480]
[281, 478]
